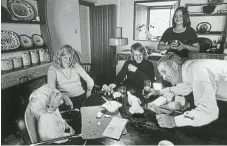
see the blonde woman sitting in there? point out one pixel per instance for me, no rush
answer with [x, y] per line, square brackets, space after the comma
[44, 103]
[65, 75]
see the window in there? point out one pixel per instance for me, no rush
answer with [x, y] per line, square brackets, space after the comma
[159, 23]
[151, 19]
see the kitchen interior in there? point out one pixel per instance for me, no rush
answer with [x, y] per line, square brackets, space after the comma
[101, 31]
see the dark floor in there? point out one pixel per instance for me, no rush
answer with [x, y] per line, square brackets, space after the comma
[12, 140]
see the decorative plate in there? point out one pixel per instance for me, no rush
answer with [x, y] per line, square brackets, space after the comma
[25, 41]
[37, 40]
[9, 40]
[21, 10]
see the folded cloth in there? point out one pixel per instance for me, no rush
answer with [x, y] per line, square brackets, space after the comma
[134, 102]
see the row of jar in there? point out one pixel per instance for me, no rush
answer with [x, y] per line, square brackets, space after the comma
[28, 58]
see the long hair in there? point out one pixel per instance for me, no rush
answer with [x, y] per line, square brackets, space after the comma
[138, 47]
[186, 19]
[64, 50]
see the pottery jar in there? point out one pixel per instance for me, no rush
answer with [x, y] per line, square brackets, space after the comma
[26, 59]
[7, 64]
[35, 57]
[41, 55]
[17, 62]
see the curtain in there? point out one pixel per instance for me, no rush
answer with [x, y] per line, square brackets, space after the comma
[103, 23]
[141, 22]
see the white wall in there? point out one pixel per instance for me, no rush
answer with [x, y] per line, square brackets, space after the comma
[126, 22]
[125, 16]
[85, 34]
[64, 23]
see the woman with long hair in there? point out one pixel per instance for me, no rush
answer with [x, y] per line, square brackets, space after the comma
[65, 76]
[181, 38]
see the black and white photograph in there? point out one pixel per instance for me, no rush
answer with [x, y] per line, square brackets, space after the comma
[114, 72]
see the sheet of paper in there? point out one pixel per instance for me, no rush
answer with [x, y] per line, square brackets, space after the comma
[90, 129]
[115, 128]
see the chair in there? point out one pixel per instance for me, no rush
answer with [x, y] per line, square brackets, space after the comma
[31, 127]
[87, 67]
[205, 44]
[28, 125]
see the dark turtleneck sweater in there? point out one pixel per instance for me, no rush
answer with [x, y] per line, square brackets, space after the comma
[135, 80]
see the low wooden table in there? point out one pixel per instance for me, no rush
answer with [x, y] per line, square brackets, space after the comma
[144, 130]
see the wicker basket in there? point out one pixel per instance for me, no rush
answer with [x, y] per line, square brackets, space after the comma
[192, 55]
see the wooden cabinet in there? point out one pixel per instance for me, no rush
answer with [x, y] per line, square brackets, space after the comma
[217, 19]
[38, 25]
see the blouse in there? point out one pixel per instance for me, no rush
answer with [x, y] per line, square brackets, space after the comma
[71, 84]
[188, 37]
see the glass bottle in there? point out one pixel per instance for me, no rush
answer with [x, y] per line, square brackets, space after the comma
[214, 48]
[219, 45]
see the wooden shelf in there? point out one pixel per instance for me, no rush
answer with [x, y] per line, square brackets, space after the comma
[218, 15]
[203, 14]
[23, 22]
[22, 49]
[18, 76]
[23, 68]
[200, 4]
[193, 55]
[212, 33]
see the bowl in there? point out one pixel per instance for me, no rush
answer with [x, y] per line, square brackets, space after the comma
[208, 9]
[165, 143]
[112, 106]
[116, 95]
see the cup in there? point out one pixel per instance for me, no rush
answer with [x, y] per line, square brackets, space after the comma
[165, 143]
[157, 86]
[176, 43]
[122, 89]
[146, 90]
[147, 87]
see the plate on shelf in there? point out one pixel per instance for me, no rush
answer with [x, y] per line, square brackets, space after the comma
[37, 40]
[9, 40]
[21, 10]
[25, 41]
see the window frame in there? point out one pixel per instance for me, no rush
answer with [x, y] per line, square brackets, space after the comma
[134, 15]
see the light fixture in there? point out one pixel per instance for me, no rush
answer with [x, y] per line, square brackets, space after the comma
[118, 40]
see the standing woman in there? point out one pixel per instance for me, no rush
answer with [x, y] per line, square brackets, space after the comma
[181, 31]
[65, 74]
[136, 70]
